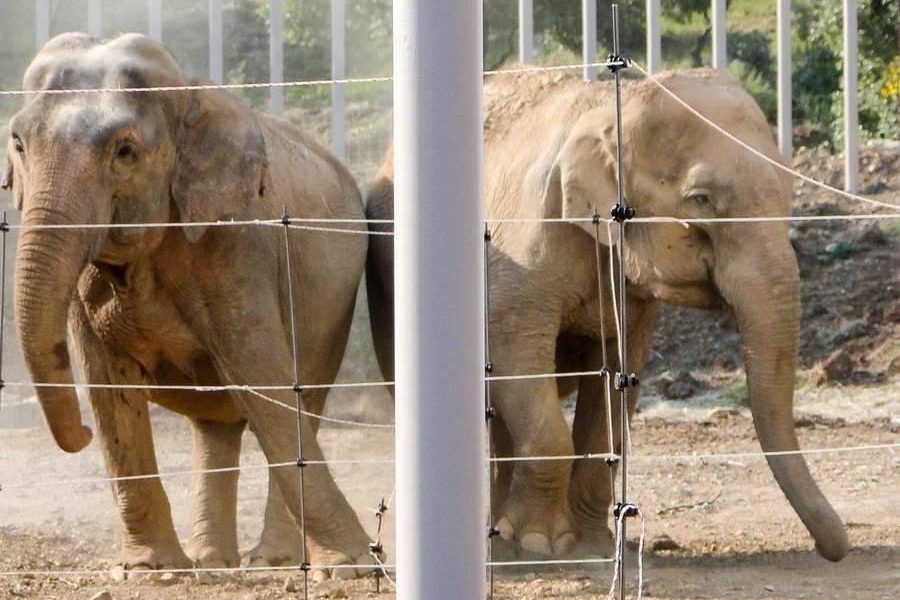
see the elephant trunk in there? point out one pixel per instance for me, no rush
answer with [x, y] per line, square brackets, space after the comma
[48, 264]
[762, 285]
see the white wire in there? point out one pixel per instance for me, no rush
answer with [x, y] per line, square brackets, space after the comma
[185, 571]
[550, 562]
[775, 163]
[288, 84]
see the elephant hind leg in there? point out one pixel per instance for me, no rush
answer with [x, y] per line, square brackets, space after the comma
[213, 541]
[281, 541]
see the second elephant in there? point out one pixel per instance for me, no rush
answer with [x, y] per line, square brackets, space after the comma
[550, 153]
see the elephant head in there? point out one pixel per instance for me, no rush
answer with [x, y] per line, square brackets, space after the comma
[678, 166]
[105, 157]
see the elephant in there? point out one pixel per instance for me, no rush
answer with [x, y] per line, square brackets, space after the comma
[550, 153]
[188, 304]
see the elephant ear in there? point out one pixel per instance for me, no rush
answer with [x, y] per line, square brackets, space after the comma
[582, 181]
[221, 164]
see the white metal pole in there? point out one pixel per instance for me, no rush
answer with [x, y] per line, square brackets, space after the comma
[154, 19]
[851, 100]
[719, 52]
[440, 439]
[654, 37]
[276, 55]
[95, 18]
[216, 63]
[41, 22]
[589, 37]
[785, 123]
[526, 31]
[338, 71]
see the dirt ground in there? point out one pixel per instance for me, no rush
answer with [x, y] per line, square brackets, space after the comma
[732, 533]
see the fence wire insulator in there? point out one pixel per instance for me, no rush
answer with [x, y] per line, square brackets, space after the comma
[625, 510]
[617, 62]
[622, 211]
[624, 380]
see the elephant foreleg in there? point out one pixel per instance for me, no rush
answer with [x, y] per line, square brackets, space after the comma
[124, 433]
[213, 540]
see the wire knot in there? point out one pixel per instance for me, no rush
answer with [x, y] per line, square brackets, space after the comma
[611, 460]
[621, 212]
[298, 389]
[617, 62]
[487, 234]
[301, 462]
[490, 412]
[493, 532]
[285, 219]
[4, 226]
[489, 367]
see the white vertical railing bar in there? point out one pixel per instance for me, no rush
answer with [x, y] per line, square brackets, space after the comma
[851, 100]
[440, 438]
[94, 18]
[526, 31]
[276, 55]
[719, 51]
[785, 122]
[589, 37]
[154, 19]
[216, 62]
[338, 71]
[654, 37]
[41, 23]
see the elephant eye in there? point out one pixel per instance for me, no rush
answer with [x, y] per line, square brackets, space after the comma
[126, 151]
[699, 198]
[17, 144]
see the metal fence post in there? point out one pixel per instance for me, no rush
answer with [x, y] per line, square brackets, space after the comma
[440, 438]
[338, 71]
[589, 37]
[719, 49]
[526, 31]
[654, 37]
[41, 23]
[785, 123]
[95, 18]
[276, 55]
[851, 100]
[154, 19]
[216, 63]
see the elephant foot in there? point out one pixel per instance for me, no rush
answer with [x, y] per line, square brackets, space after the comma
[598, 543]
[267, 554]
[140, 562]
[336, 565]
[540, 530]
[209, 555]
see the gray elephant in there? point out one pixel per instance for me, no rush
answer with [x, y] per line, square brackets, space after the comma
[550, 152]
[180, 306]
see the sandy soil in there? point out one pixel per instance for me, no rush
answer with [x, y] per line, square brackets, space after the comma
[736, 536]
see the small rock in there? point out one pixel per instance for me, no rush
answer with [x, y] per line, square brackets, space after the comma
[118, 573]
[679, 386]
[769, 588]
[663, 542]
[290, 586]
[837, 367]
[204, 578]
[104, 595]
[530, 576]
[168, 577]
[723, 413]
[339, 592]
